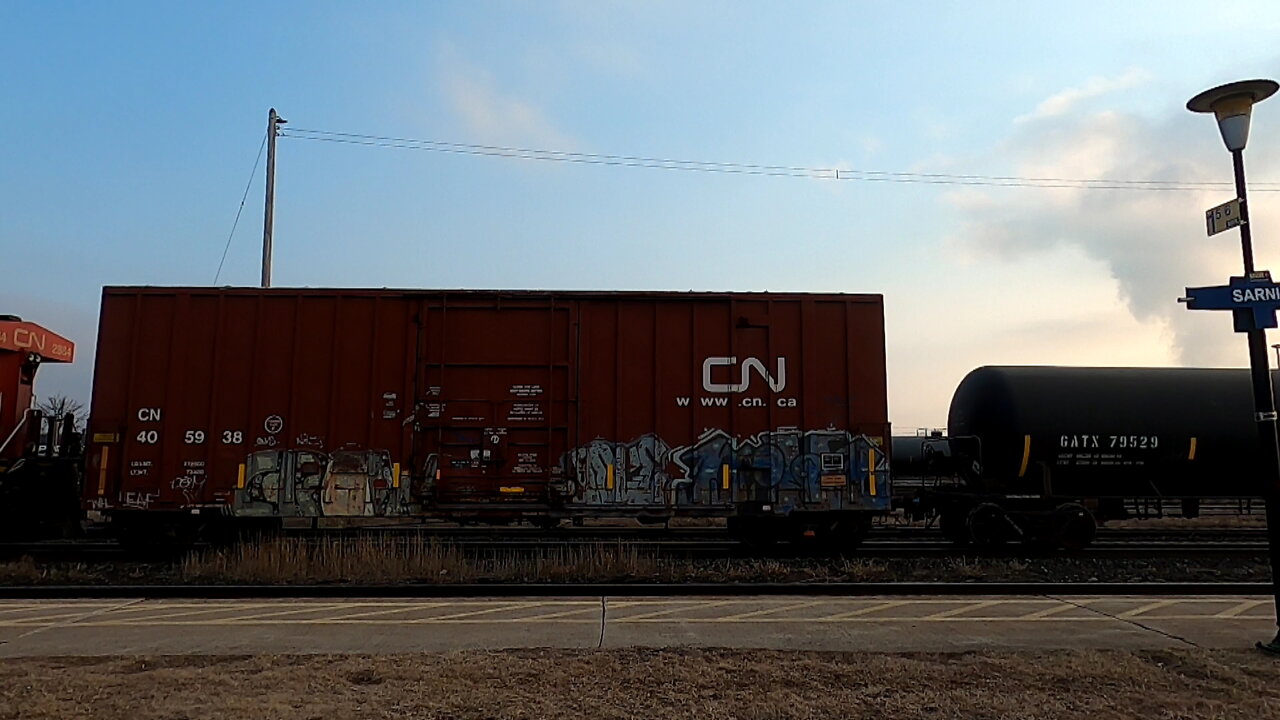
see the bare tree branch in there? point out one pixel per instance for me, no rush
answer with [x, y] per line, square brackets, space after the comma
[60, 405]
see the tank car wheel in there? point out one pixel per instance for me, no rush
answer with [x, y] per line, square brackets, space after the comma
[1075, 526]
[988, 525]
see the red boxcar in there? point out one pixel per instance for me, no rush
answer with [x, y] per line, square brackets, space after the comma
[495, 405]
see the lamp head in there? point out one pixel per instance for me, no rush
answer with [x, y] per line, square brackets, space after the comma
[1231, 104]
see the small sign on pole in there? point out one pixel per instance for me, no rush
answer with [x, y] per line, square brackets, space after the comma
[1223, 217]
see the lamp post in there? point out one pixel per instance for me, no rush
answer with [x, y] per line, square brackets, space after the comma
[1231, 105]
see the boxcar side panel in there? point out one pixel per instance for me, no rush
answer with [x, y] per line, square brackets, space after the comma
[707, 403]
[315, 403]
[287, 403]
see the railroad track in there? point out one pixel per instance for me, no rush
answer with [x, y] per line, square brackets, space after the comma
[456, 590]
[707, 547]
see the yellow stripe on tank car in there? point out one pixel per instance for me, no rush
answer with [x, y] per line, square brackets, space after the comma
[608, 477]
[240, 477]
[395, 475]
[102, 473]
[1026, 455]
[871, 471]
[1191, 454]
[724, 477]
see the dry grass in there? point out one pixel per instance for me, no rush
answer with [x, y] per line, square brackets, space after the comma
[391, 560]
[398, 560]
[650, 684]
[26, 571]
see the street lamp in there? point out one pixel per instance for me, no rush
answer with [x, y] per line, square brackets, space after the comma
[1231, 105]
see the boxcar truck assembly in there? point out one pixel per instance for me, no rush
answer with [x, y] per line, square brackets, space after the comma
[221, 407]
[39, 455]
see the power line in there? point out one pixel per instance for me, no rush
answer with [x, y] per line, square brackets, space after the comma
[756, 169]
[248, 185]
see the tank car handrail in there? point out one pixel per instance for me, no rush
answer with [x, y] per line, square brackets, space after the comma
[977, 440]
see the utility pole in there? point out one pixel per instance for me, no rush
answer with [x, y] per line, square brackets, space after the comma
[274, 121]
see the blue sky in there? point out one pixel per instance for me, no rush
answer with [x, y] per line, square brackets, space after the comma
[131, 128]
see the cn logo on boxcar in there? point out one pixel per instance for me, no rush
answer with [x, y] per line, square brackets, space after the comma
[777, 383]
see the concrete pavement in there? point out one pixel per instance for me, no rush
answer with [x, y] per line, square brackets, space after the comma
[876, 624]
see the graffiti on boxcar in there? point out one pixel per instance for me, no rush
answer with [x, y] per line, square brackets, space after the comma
[307, 440]
[310, 483]
[191, 482]
[632, 473]
[139, 500]
[785, 466]
[189, 486]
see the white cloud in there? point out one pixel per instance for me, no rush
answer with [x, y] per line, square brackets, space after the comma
[1063, 102]
[496, 115]
[1151, 242]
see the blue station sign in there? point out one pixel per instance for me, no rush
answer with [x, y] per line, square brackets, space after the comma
[1253, 300]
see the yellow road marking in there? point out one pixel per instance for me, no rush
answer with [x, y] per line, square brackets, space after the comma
[42, 619]
[595, 621]
[183, 613]
[221, 623]
[1042, 614]
[668, 611]
[470, 613]
[593, 607]
[20, 608]
[387, 611]
[963, 609]
[766, 611]
[272, 614]
[1239, 608]
[564, 611]
[152, 607]
[1143, 609]
[866, 610]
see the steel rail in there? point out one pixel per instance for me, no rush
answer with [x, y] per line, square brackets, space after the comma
[1076, 589]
